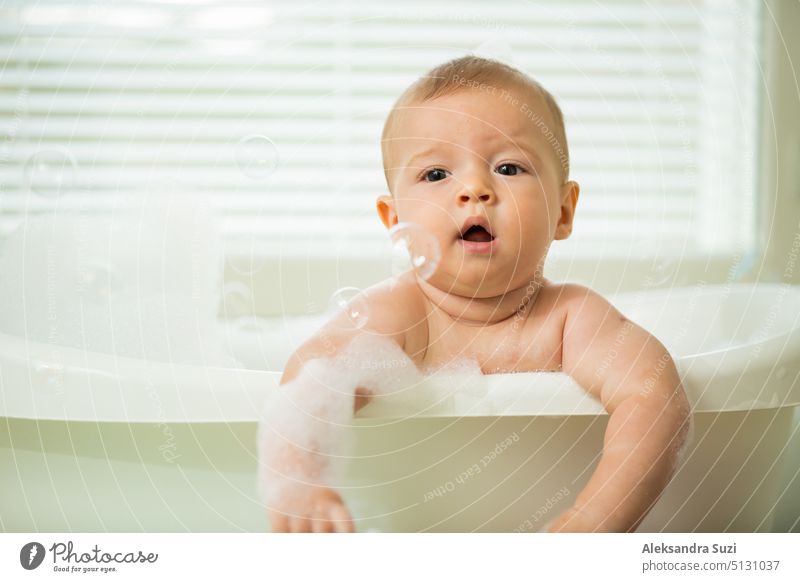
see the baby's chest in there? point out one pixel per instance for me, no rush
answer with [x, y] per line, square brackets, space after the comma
[525, 347]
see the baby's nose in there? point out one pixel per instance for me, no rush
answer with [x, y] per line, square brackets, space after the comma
[476, 186]
[485, 195]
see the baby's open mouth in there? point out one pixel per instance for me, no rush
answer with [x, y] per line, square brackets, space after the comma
[476, 229]
[477, 233]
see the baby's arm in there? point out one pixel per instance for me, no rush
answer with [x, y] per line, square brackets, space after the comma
[303, 427]
[635, 378]
[295, 444]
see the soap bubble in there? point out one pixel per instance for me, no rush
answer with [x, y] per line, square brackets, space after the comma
[50, 172]
[662, 271]
[256, 156]
[353, 303]
[661, 264]
[237, 299]
[50, 377]
[414, 248]
[246, 264]
[96, 283]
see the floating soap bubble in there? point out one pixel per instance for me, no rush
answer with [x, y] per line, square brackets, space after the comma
[51, 172]
[662, 271]
[96, 283]
[660, 267]
[256, 156]
[413, 247]
[50, 377]
[353, 303]
[237, 299]
[246, 263]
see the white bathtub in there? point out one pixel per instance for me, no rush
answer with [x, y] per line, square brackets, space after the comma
[91, 441]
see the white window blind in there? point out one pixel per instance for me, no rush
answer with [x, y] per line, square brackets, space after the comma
[274, 111]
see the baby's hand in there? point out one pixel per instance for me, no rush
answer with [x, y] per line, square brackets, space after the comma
[310, 508]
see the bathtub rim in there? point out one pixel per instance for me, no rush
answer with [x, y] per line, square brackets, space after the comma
[653, 294]
[247, 386]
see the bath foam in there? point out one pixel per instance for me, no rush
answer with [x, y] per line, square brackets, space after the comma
[303, 432]
[545, 394]
[304, 425]
[458, 385]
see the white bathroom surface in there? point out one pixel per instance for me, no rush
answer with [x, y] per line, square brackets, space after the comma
[690, 321]
[733, 354]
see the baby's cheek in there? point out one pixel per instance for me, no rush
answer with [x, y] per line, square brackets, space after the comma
[431, 219]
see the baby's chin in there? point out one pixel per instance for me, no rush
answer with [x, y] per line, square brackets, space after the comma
[486, 286]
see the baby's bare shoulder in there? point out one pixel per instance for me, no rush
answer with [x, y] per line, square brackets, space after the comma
[391, 309]
[573, 306]
[572, 297]
[395, 305]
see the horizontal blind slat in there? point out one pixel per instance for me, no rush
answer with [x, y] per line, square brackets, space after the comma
[658, 132]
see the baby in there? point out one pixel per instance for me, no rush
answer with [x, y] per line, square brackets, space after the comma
[475, 155]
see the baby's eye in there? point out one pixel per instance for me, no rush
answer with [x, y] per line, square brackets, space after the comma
[509, 169]
[435, 175]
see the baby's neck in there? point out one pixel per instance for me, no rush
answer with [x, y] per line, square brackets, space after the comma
[486, 310]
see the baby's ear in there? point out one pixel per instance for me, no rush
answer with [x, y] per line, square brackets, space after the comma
[569, 200]
[386, 211]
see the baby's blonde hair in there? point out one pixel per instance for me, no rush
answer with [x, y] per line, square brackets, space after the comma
[461, 74]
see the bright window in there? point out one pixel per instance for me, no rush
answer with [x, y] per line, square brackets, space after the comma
[274, 111]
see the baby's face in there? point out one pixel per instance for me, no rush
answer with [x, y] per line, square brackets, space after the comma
[477, 173]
